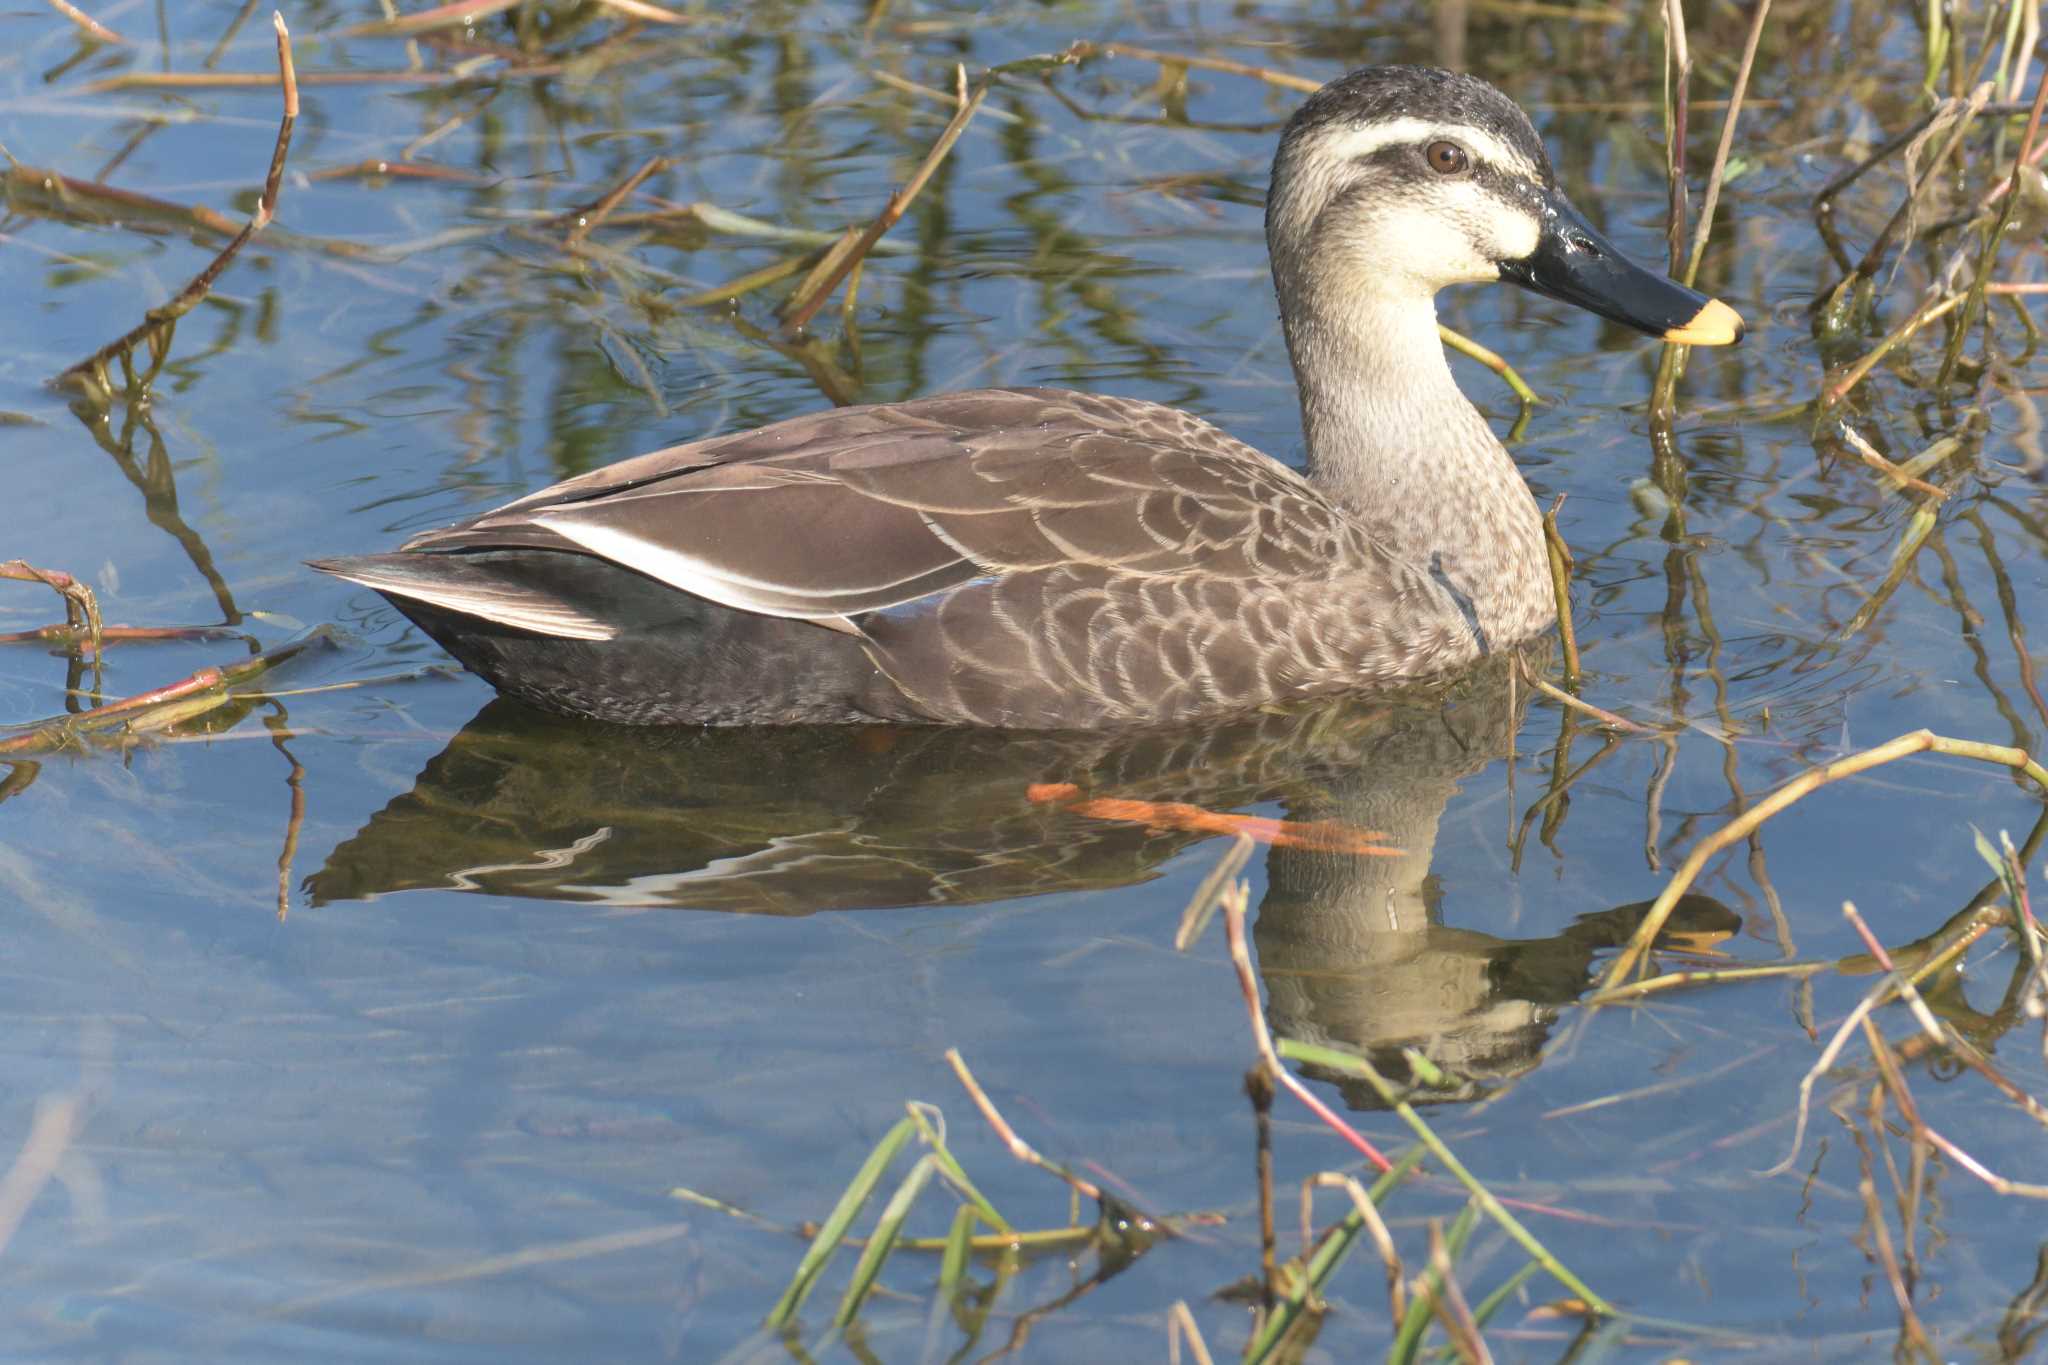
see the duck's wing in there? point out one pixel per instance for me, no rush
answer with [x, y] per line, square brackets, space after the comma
[861, 510]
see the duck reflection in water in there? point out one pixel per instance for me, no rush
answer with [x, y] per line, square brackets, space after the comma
[796, 820]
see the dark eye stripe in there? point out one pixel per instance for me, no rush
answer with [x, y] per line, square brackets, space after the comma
[1504, 185]
[1512, 188]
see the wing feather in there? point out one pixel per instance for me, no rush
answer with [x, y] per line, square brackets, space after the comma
[472, 590]
[862, 510]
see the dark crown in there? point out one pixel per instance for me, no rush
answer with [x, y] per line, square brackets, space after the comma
[1374, 93]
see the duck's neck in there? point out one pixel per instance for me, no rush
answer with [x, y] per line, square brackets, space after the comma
[1391, 437]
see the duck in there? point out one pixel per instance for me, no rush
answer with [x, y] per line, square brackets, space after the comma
[1042, 559]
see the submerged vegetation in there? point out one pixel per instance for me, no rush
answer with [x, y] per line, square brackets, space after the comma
[565, 248]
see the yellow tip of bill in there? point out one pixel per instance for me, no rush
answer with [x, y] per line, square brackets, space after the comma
[1714, 325]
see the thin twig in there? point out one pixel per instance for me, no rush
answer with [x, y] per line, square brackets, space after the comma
[808, 299]
[1915, 742]
[158, 322]
[1712, 198]
[1704, 976]
[197, 693]
[587, 218]
[1899, 983]
[640, 9]
[80, 637]
[1854, 375]
[463, 13]
[1983, 1172]
[1678, 116]
[1235, 900]
[1869, 455]
[1972, 930]
[92, 27]
[1909, 1321]
[1375, 1226]
[1258, 1088]
[1604, 717]
[1671, 359]
[1180, 1326]
[1823, 199]
[1974, 304]
[895, 82]
[1449, 1304]
[1351, 1064]
[1083, 51]
[81, 608]
[1007, 1135]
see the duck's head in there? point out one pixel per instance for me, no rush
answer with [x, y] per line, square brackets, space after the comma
[1395, 181]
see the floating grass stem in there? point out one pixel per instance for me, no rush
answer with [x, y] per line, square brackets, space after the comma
[1670, 981]
[641, 9]
[1919, 527]
[747, 283]
[1465, 346]
[1601, 715]
[249, 80]
[809, 297]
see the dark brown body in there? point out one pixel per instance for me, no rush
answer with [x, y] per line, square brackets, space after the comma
[1027, 558]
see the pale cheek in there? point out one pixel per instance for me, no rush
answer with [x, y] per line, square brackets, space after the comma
[1500, 232]
[1515, 238]
[1423, 248]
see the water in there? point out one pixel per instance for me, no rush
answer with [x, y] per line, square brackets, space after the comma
[531, 977]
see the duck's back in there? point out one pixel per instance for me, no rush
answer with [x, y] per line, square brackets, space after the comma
[1021, 557]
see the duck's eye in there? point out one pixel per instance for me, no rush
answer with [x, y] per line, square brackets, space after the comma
[1446, 158]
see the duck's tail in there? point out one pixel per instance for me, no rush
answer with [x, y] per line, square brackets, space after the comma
[470, 585]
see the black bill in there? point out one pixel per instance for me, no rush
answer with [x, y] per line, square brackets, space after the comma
[1575, 263]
